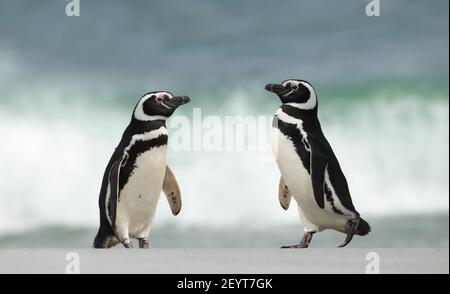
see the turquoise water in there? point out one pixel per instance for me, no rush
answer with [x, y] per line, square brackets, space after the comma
[68, 86]
[390, 232]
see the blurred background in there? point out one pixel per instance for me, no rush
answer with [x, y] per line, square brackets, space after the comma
[68, 85]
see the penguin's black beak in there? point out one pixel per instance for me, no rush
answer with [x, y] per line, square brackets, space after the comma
[176, 101]
[276, 88]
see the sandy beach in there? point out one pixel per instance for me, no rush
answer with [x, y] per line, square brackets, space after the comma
[226, 261]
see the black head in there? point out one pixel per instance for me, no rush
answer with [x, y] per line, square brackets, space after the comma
[297, 93]
[158, 105]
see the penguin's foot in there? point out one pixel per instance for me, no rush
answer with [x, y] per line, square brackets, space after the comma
[127, 244]
[294, 246]
[352, 227]
[143, 243]
[304, 243]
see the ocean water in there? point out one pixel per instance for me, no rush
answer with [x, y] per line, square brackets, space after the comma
[68, 86]
[389, 232]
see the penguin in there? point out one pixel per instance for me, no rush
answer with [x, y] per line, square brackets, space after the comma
[136, 174]
[310, 171]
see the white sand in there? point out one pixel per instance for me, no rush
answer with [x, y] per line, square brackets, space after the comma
[221, 261]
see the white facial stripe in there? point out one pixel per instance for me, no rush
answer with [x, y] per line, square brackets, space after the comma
[162, 94]
[165, 105]
[292, 82]
[289, 93]
[311, 103]
[139, 112]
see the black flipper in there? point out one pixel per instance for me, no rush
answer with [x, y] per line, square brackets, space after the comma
[318, 167]
[114, 191]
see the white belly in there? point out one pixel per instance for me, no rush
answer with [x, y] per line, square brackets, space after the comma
[299, 183]
[139, 198]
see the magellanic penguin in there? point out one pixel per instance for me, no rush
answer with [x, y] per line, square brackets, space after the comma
[310, 171]
[136, 174]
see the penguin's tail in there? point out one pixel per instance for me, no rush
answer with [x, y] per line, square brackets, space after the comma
[105, 239]
[98, 243]
[363, 228]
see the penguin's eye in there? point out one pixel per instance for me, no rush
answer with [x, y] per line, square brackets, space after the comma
[159, 99]
[295, 87]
